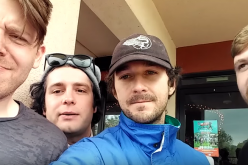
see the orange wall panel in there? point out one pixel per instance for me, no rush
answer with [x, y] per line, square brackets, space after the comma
[205, 57]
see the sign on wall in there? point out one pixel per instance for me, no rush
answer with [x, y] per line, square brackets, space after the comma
[206, 137]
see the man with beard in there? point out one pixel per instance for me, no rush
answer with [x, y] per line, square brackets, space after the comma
[142, 79]
[239, 52]
[25, 136]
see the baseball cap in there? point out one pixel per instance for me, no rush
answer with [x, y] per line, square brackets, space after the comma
[140, 47]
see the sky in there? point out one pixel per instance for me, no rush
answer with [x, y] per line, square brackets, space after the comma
[235, 122]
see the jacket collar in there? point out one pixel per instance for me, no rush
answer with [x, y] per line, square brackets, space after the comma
[149, 136]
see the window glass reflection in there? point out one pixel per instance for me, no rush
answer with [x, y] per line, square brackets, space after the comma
[230, 111]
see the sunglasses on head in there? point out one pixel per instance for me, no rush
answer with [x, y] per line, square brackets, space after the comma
[59, 59]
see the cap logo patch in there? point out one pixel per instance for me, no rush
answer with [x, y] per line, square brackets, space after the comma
[140, 42]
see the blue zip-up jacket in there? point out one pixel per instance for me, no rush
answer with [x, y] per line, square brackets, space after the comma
[131, 143]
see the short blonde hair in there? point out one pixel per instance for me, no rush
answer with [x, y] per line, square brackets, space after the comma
[38, 13]
[240, 42]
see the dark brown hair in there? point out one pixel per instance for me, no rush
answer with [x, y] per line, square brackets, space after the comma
[37, 13]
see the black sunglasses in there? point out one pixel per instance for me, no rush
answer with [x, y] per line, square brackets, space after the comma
[59, 59]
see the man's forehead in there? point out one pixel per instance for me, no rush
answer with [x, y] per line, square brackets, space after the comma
[63, 76]
[67, 71]
[12, 18]
[11, 13]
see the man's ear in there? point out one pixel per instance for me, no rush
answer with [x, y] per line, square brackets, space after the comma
[40, 52]
[172, 88]
[44, 112]
[95, 110]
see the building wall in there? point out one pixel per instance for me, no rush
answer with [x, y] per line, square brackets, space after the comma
[61, 37]
[206, 57]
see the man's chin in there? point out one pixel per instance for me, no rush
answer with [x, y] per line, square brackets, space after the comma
[67, 129]
[142, 119]
[139, 116]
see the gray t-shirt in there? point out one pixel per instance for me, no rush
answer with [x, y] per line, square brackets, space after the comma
[29, 139]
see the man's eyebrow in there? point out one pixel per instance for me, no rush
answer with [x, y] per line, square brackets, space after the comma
[81, 84]
[19, 31]
[56, 85]
[240, 61]
[74, 84]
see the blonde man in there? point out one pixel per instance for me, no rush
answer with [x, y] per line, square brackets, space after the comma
[26, 137]
[239, 52]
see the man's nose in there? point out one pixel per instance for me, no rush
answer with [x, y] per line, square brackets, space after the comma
[139, 86]
[69, 98]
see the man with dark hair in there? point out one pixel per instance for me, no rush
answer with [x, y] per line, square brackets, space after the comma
[239, 52]
[25, 137]
[69, 95]
[142, 79]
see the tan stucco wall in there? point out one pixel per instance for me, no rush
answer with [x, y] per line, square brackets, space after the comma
[62, 32]
[117, 16]
[148, 16]
[61, 37]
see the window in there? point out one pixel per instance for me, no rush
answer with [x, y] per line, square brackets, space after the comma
[111, 121]
[230, 111]
[112, 114]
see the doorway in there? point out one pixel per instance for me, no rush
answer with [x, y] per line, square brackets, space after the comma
[201, 100]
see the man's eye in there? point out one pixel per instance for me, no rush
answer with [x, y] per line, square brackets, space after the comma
[57, 91]
[81, 90]
[18, 39]
[151, 72]
[242, 66]
[125, 77]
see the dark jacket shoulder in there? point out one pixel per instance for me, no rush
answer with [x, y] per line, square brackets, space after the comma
[243, 155]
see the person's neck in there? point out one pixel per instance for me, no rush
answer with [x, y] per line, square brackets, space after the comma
[161, 119]
[8, 107]
[74, 137]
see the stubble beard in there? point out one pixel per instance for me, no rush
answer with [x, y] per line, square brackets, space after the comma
[7, 90]
[9, 86]
[155, 117]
